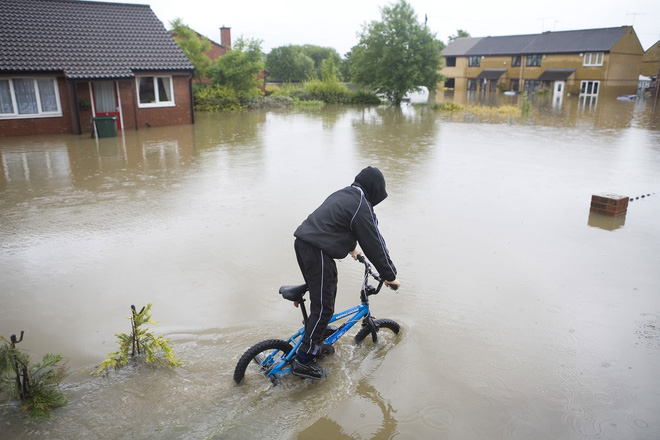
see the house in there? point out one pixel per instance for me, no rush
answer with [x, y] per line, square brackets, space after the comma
[64, 61]
[578, 62]
[651, 61]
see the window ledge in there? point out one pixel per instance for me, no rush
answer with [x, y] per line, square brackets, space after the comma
[31, 116]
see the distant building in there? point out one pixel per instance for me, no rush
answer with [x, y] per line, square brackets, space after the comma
[651, 61]
[64, 61]
[577, 62]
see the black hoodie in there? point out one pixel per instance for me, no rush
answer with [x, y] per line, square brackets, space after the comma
[347, 217]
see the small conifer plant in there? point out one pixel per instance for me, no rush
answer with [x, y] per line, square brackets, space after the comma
[37, 386]
[139, 342]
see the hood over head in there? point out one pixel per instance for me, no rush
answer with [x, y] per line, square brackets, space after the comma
[372, 182]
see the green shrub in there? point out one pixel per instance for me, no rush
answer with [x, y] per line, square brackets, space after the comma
[36, 386]
[215, 98]
[309, 103]
[139, 341]
[272, 101]
[272, 89]
[525, 105]
[327, 91]
[364, 97]
[448, 107]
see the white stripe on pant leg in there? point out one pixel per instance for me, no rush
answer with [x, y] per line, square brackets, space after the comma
[321, 311]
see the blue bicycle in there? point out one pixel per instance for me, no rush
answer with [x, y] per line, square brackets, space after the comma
[272, 358]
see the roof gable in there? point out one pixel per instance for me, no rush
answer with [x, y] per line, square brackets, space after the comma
[588, 40]
[85, 39]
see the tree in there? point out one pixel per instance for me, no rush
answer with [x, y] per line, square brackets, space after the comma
[460, 33]
[193, 46]
[290, 64]
[319, 54]
[328, 70]
[240, 67]
[396, 55]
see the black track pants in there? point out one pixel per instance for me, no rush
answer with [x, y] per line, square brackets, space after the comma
[320, 273]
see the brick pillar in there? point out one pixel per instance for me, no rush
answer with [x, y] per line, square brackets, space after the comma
[609, 204]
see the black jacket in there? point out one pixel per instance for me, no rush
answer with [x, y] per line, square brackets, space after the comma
[347, 217]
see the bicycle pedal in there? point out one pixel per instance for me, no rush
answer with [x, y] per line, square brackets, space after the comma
[327, 349]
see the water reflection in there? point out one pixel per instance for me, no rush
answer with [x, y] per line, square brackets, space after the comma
[603, 111]
[46, 163]
[607, 222]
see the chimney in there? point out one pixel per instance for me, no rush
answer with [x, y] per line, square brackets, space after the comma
[225, 37]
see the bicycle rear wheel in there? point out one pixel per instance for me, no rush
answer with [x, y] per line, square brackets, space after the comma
[380, 323]
[261, 358]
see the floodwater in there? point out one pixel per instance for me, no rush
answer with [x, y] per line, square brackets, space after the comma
[523, 316]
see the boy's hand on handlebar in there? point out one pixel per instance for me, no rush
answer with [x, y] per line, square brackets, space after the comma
[355, 253]
[394, 285]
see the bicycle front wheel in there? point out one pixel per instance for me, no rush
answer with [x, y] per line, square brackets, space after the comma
[380, 323]
[261, 358]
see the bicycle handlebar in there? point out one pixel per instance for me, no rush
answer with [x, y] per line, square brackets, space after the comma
[367, 269]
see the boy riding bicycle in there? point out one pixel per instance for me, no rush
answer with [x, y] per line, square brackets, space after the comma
[331, 232]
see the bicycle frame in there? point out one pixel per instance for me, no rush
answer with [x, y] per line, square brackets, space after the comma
[356, 314]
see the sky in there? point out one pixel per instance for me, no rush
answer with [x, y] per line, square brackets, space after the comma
[337, 23]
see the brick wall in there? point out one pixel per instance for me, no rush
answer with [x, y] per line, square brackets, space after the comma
[133, 117]
[162, 116]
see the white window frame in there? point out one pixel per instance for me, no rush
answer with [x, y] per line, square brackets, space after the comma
[157, 102]
[593, 59]
[587, 88]
[40, 113]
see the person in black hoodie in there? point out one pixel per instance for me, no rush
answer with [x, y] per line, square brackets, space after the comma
[331, 232]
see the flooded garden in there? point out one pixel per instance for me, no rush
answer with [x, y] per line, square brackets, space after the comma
[523, 315]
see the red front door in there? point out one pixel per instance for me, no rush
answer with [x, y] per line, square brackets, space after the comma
[106, 102]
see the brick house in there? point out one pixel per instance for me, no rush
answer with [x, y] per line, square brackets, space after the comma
[64, 61]
[579, 62]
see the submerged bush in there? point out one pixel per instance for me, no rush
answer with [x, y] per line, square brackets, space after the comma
[36, 386]
[273, 101]
[139, 341]
[448, 107]
[216, 98]
[364, 97]
[332, 92]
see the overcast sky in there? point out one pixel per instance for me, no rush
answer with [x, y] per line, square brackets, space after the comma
[336, 23]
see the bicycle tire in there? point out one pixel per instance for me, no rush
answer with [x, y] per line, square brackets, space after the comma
[265, 349]
[380, 323]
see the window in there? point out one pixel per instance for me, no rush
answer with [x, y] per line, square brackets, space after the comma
[533, 60]
[514, 84]
[155, 91]
[515, 61]
[593, 59]
[474, 61]
[589, 88]
[451, 61]
[532, 86]
[472, 84]
[29, 98]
